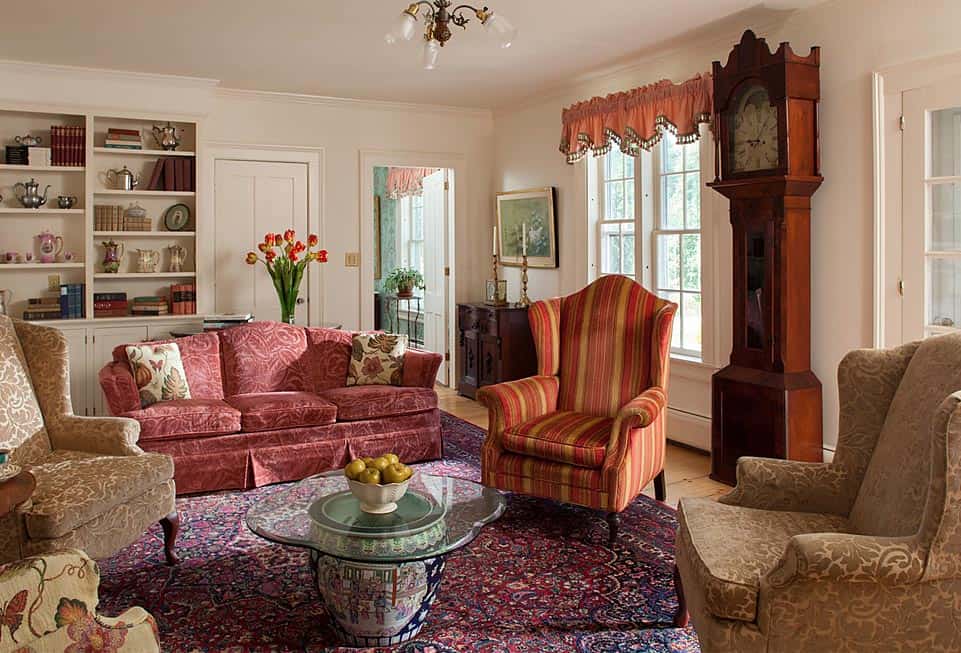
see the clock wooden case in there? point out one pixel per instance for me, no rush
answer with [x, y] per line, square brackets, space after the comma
[767, 401]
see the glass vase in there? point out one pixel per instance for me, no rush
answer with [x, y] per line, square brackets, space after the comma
[288, 307]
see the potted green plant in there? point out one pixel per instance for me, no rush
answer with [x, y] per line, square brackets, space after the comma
[403, 281]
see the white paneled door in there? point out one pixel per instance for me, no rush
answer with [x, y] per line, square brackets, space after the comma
[435, 263]
[931, 210]
[252, 198]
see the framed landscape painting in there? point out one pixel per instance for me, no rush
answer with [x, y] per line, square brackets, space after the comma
[532, 210]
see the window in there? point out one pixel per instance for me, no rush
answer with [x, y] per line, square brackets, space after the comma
[656, 196]
[677, 238]
[410, 233]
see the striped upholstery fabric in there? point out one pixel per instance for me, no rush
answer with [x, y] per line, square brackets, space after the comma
[573, 438]
[601, 385]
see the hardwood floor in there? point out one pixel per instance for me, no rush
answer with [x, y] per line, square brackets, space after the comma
[686, 469]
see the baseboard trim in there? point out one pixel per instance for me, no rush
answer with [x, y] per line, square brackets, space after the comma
[689, 429]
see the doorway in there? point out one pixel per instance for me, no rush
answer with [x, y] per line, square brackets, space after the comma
[412, 214]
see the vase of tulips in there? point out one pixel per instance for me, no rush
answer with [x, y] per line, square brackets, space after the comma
[286, 259]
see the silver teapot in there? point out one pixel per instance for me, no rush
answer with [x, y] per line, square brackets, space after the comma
[166, 136]
[28, 192]
[27, 140]
[122, 179]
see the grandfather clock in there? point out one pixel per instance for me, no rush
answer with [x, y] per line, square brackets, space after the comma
[767, 401]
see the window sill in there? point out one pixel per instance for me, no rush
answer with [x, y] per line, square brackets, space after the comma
[690, 367]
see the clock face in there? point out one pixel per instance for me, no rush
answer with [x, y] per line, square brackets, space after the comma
[752, 132]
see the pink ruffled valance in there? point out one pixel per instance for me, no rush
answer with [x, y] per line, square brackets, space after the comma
[402, 182]
[635, 118]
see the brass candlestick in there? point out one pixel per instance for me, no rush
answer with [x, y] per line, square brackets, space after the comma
[496, 291]
[524, 300]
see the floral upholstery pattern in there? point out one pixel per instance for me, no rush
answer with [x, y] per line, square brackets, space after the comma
[864, 567]
[158, 373]
[50, 604]
[376, 359]
[200, 355]
[263, 357]
[562, 436]
[267, 411]
[185, 418]
[97, 490]
[327, 359]
[21, 422]
[602, 359]
[373, 401]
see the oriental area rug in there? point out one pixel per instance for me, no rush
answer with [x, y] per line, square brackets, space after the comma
[541, 579]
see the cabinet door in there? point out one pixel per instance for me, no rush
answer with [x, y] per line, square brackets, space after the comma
[104, 340]
[490, 360]
[79, 372]
[468, 359]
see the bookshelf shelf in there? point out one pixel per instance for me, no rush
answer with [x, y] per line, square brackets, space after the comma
[144, 275]
[41, 211]
[144, 234]
[147, 193]
[145, 152]
[12, 267]
[28, 168]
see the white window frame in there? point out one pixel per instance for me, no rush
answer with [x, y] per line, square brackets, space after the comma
[404, 232]
[603, 220]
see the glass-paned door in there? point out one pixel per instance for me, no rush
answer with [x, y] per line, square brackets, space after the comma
[931, 218]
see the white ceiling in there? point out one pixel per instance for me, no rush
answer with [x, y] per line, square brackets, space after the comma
[336, 48]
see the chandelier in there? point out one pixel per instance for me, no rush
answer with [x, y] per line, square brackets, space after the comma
[438, 16]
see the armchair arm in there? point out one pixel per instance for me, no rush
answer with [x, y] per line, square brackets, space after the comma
[420, 368]
[513, 402]
[110, 436]
[640, 412]
[771, 484]
[119, 388]
[844, 557]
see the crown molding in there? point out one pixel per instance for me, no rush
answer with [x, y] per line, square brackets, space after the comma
[351, 103]
[31, 67]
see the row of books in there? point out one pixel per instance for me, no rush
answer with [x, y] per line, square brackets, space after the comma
[67, 305]
[124, 139]
[220, 321]
[173, 173]
[183, 299]
[108, 217]
[110, 304]
[150, 306]
[68, 146]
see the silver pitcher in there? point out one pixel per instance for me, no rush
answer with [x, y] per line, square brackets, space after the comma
[28, 192]
[122, 179]
[166, 136]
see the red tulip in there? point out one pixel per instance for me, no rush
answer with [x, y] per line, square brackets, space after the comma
[270, 255]
[322, 256]
[299, 247]
[263, 247]
[292, 255]
[268, 240]
[289, 235]
[278, 240]
[312, 240]
[251, 258]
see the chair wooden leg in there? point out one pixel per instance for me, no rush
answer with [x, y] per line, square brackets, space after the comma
[681, 616]
[613, 521]
[171, 526]
[660, 487]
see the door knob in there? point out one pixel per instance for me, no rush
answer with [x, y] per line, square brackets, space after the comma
[301, 300]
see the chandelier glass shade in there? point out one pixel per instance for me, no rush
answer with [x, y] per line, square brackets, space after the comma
[438, 16]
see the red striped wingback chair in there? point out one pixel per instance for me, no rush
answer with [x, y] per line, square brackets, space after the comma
[589, 428]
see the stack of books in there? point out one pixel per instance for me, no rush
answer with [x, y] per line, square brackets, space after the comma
[172, 173]
[17, 155]
[43, 308]
[123, 139]
[109, 304]
[150, 305]
[72, 302]
[40, 157]
[220, 321]
[68, 146]
[108, 218]
[183, 298]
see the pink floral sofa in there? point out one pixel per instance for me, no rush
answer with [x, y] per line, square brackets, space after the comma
[269, 403]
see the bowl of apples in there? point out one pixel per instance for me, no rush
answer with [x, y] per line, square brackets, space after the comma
[378, 483]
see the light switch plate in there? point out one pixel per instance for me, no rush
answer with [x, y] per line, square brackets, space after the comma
[352, 259]
[53, 282]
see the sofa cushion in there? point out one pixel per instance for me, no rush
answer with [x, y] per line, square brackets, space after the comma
[327, 358]
[373, 401]
[268, 411]
[563, 436]
[263, 357]
[158, 372]
[731, 548]
[201, 360]
[186, 418]
[74, 487]
[377, 359]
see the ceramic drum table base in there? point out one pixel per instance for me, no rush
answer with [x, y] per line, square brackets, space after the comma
[377, 574]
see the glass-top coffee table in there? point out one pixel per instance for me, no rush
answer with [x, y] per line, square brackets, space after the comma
[377, 574]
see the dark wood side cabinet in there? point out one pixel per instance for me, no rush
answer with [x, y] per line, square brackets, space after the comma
[767, 401]
[494, 345]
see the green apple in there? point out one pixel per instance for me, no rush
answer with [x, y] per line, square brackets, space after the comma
[380, 464]
[391, 458]
[354, 468]
[371, 476]
[397, 473]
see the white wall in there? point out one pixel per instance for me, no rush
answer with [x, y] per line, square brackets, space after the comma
[856, 37]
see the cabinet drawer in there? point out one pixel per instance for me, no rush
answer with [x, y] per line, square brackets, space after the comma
[471, 318]
[489, 323]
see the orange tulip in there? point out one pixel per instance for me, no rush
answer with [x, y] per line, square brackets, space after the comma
[292, 255]
[290, 235]
[278, 240]
[270, 255]
[251, 258]
[312, 240]
[263, 246]
[268, 240]
[322, 256]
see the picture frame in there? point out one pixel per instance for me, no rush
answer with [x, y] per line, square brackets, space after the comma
[495, 293]
[535, 208]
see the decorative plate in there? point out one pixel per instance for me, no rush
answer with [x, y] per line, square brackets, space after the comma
[341, 513]
[177, 217]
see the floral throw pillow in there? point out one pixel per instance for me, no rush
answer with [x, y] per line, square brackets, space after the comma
[158, 372]
[376, 359]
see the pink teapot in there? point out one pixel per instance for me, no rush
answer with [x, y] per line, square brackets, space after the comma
[50, 246]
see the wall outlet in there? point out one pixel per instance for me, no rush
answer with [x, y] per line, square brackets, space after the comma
[53, 282]
[352, 259]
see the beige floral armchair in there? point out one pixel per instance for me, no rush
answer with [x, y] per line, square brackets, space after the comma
[96, 489]
[860, 554]
[50, 605]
